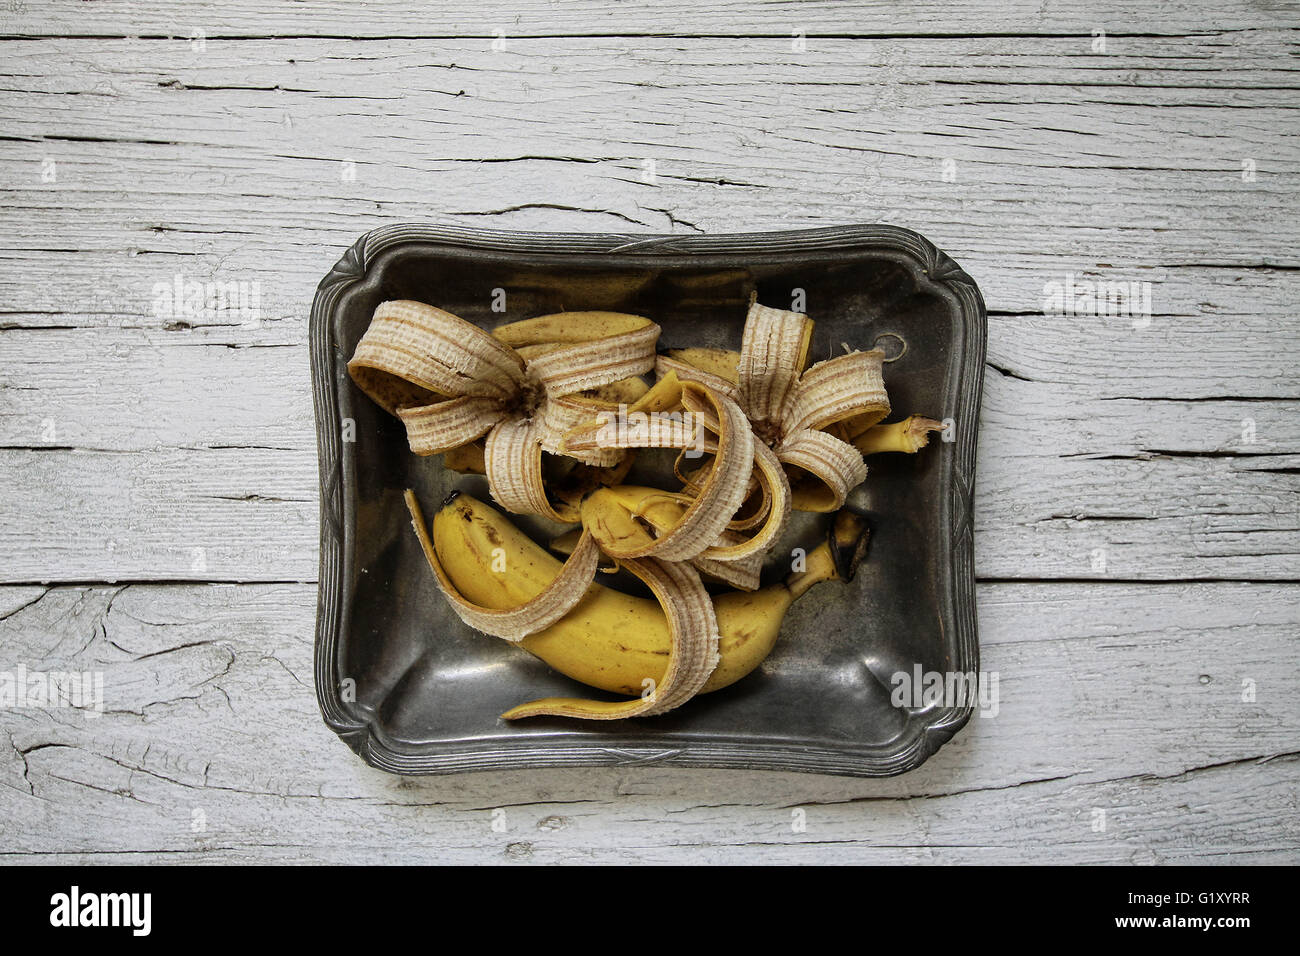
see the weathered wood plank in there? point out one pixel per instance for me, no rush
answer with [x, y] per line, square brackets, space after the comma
[1233, 815]
[125, 390]
[723, 18]
[246, 513]
[1194, 384]
[201, 682]
[1056, 497]
[260, 136]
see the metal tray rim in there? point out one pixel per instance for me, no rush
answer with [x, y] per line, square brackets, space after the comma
[365, 736]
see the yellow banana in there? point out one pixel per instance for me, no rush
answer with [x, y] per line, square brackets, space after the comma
[567, 328]
[719, 362]
[611, 640]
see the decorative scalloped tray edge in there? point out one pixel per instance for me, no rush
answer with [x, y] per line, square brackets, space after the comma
[367, 739]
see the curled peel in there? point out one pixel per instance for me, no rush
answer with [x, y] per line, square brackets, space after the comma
[837, 465]
[595, 348]
[720, 375]
[775, 508]
[412, 353]
[704, 526]
[693, 628]
[773, 353]
[807, 416]
[649, 422]
[512, 459]
[721, 491]
[742, 574]
[847, 387]
[613, 515]
[559, 416]
[442, 426]
[514, 624]
[451, 383]
[513, 463]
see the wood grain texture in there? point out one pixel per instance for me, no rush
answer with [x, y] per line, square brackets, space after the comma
[722, 18]
[202, 682]
[203, 477]
[159, 521]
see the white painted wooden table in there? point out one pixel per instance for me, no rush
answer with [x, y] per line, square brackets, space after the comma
[1137, 508]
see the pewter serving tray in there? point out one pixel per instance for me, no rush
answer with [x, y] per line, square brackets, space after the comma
[413, 690]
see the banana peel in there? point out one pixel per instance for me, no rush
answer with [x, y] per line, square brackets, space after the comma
[611, 640]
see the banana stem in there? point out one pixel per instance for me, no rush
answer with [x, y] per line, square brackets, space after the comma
[908, 436]
[836, 558]
[819, 566]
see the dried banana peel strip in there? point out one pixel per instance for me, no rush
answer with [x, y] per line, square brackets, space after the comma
[845, 387]
[741, 573]
[752, 517]
[440, 427]
[776, 491]
[600, 361]
[773, 353]
[807, 415]
[560, 415]
[693, 655]
[836, 464]
[765, 474]
[512, 460]
[662, 510]
[451, 383]
[514, 624]
[412, 352]
[692, 482]
[721, 492]
[687, 372]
